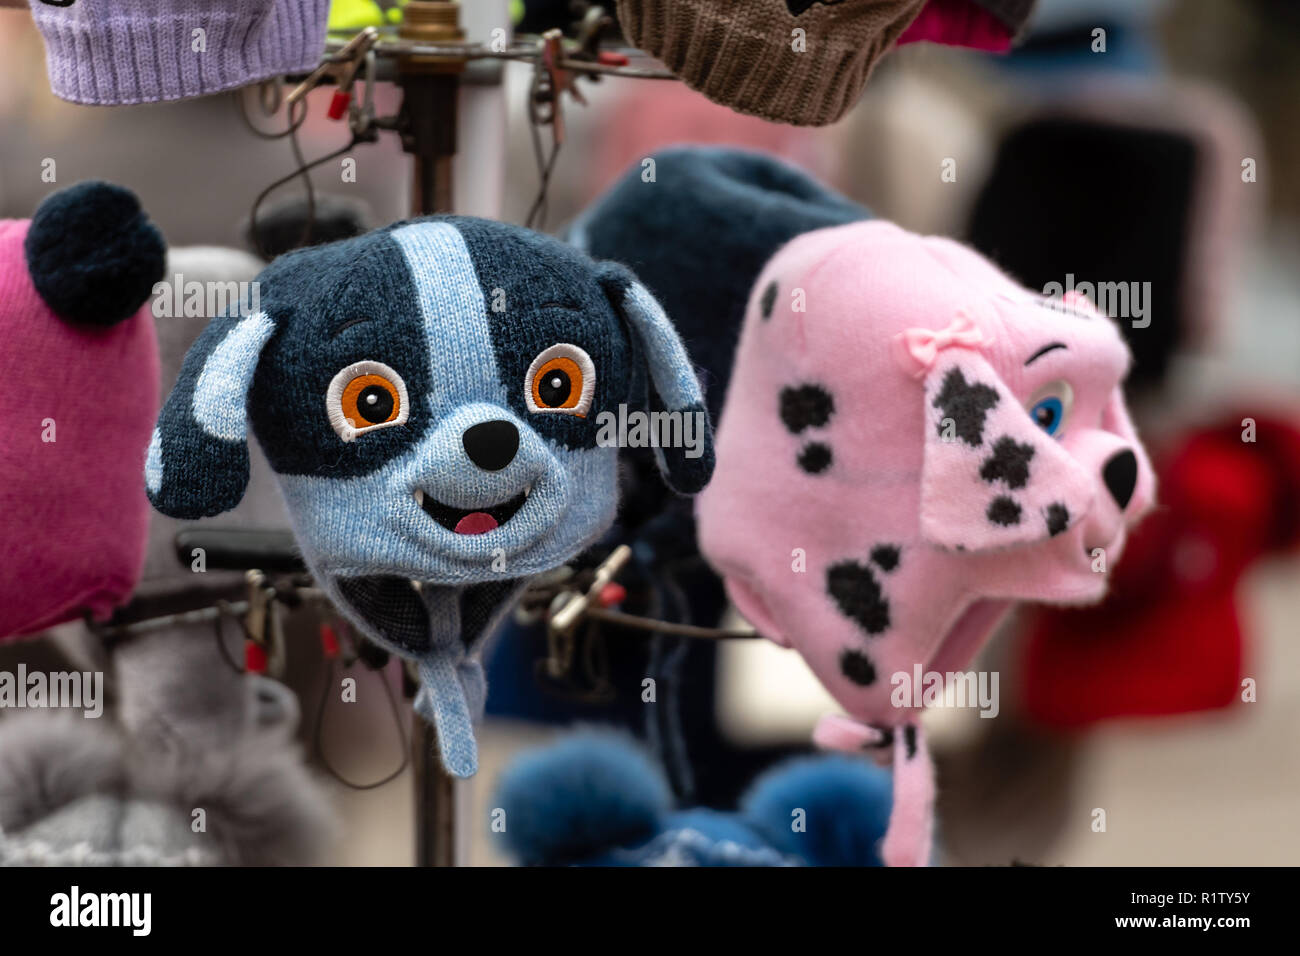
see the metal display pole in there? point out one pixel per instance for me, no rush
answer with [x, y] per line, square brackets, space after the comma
[427, 123]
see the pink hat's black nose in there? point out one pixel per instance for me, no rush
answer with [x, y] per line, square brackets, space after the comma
[491, 445]
[1121, 475]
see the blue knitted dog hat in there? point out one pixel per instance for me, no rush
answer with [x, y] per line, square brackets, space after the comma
[435, 400]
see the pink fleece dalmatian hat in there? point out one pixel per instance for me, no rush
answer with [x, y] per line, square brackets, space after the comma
[939, 443]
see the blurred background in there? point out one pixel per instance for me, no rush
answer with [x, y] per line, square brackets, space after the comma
[1169, 156]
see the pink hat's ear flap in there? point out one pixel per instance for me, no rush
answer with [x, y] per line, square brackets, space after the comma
[991, 478]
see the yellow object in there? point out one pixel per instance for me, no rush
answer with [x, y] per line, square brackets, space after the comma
[349, 16]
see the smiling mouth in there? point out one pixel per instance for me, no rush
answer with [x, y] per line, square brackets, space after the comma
[471, 520]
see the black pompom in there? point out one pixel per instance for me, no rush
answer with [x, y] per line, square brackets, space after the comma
[93, 255]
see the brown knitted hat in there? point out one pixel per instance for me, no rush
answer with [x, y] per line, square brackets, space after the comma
[745, 54]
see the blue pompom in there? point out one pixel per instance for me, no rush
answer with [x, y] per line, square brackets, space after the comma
[580, 796]
[93, 255]
[846, 803]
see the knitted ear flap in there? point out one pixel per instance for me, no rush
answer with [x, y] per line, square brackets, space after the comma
[991, 477]
[443, 628]
[197, 465]
[688, 465]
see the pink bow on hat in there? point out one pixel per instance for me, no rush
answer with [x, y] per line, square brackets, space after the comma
[917, 349]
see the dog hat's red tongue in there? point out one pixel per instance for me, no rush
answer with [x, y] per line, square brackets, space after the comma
[476, 522]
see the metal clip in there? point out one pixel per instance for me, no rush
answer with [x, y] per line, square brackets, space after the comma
[550, 82]
[275, 657]
[594, 25]
[577, 663]
[264, 645]
[342, 66]
[361, 119]
[259, 600]
[571, 610]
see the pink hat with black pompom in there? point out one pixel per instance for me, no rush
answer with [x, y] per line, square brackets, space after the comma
[79, 363]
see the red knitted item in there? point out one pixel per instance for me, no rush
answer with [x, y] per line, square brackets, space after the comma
[1168, 639]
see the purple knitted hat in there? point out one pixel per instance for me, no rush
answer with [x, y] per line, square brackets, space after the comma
[113, 52]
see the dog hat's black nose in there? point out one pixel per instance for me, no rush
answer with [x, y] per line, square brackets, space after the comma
[491, 445]
[1121, 477]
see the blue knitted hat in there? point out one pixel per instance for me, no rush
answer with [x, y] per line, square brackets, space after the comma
[434, 398]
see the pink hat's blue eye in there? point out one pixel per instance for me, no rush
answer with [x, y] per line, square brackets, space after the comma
[1049, 407]
[1048, 414]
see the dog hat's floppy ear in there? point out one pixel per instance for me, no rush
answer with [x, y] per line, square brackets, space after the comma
[197, 465]
[673, 385]
[991, 477]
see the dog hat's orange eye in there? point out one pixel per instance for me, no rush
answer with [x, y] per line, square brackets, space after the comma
[366, 396]
[557, 384]
[370, 400]
[561, 379]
